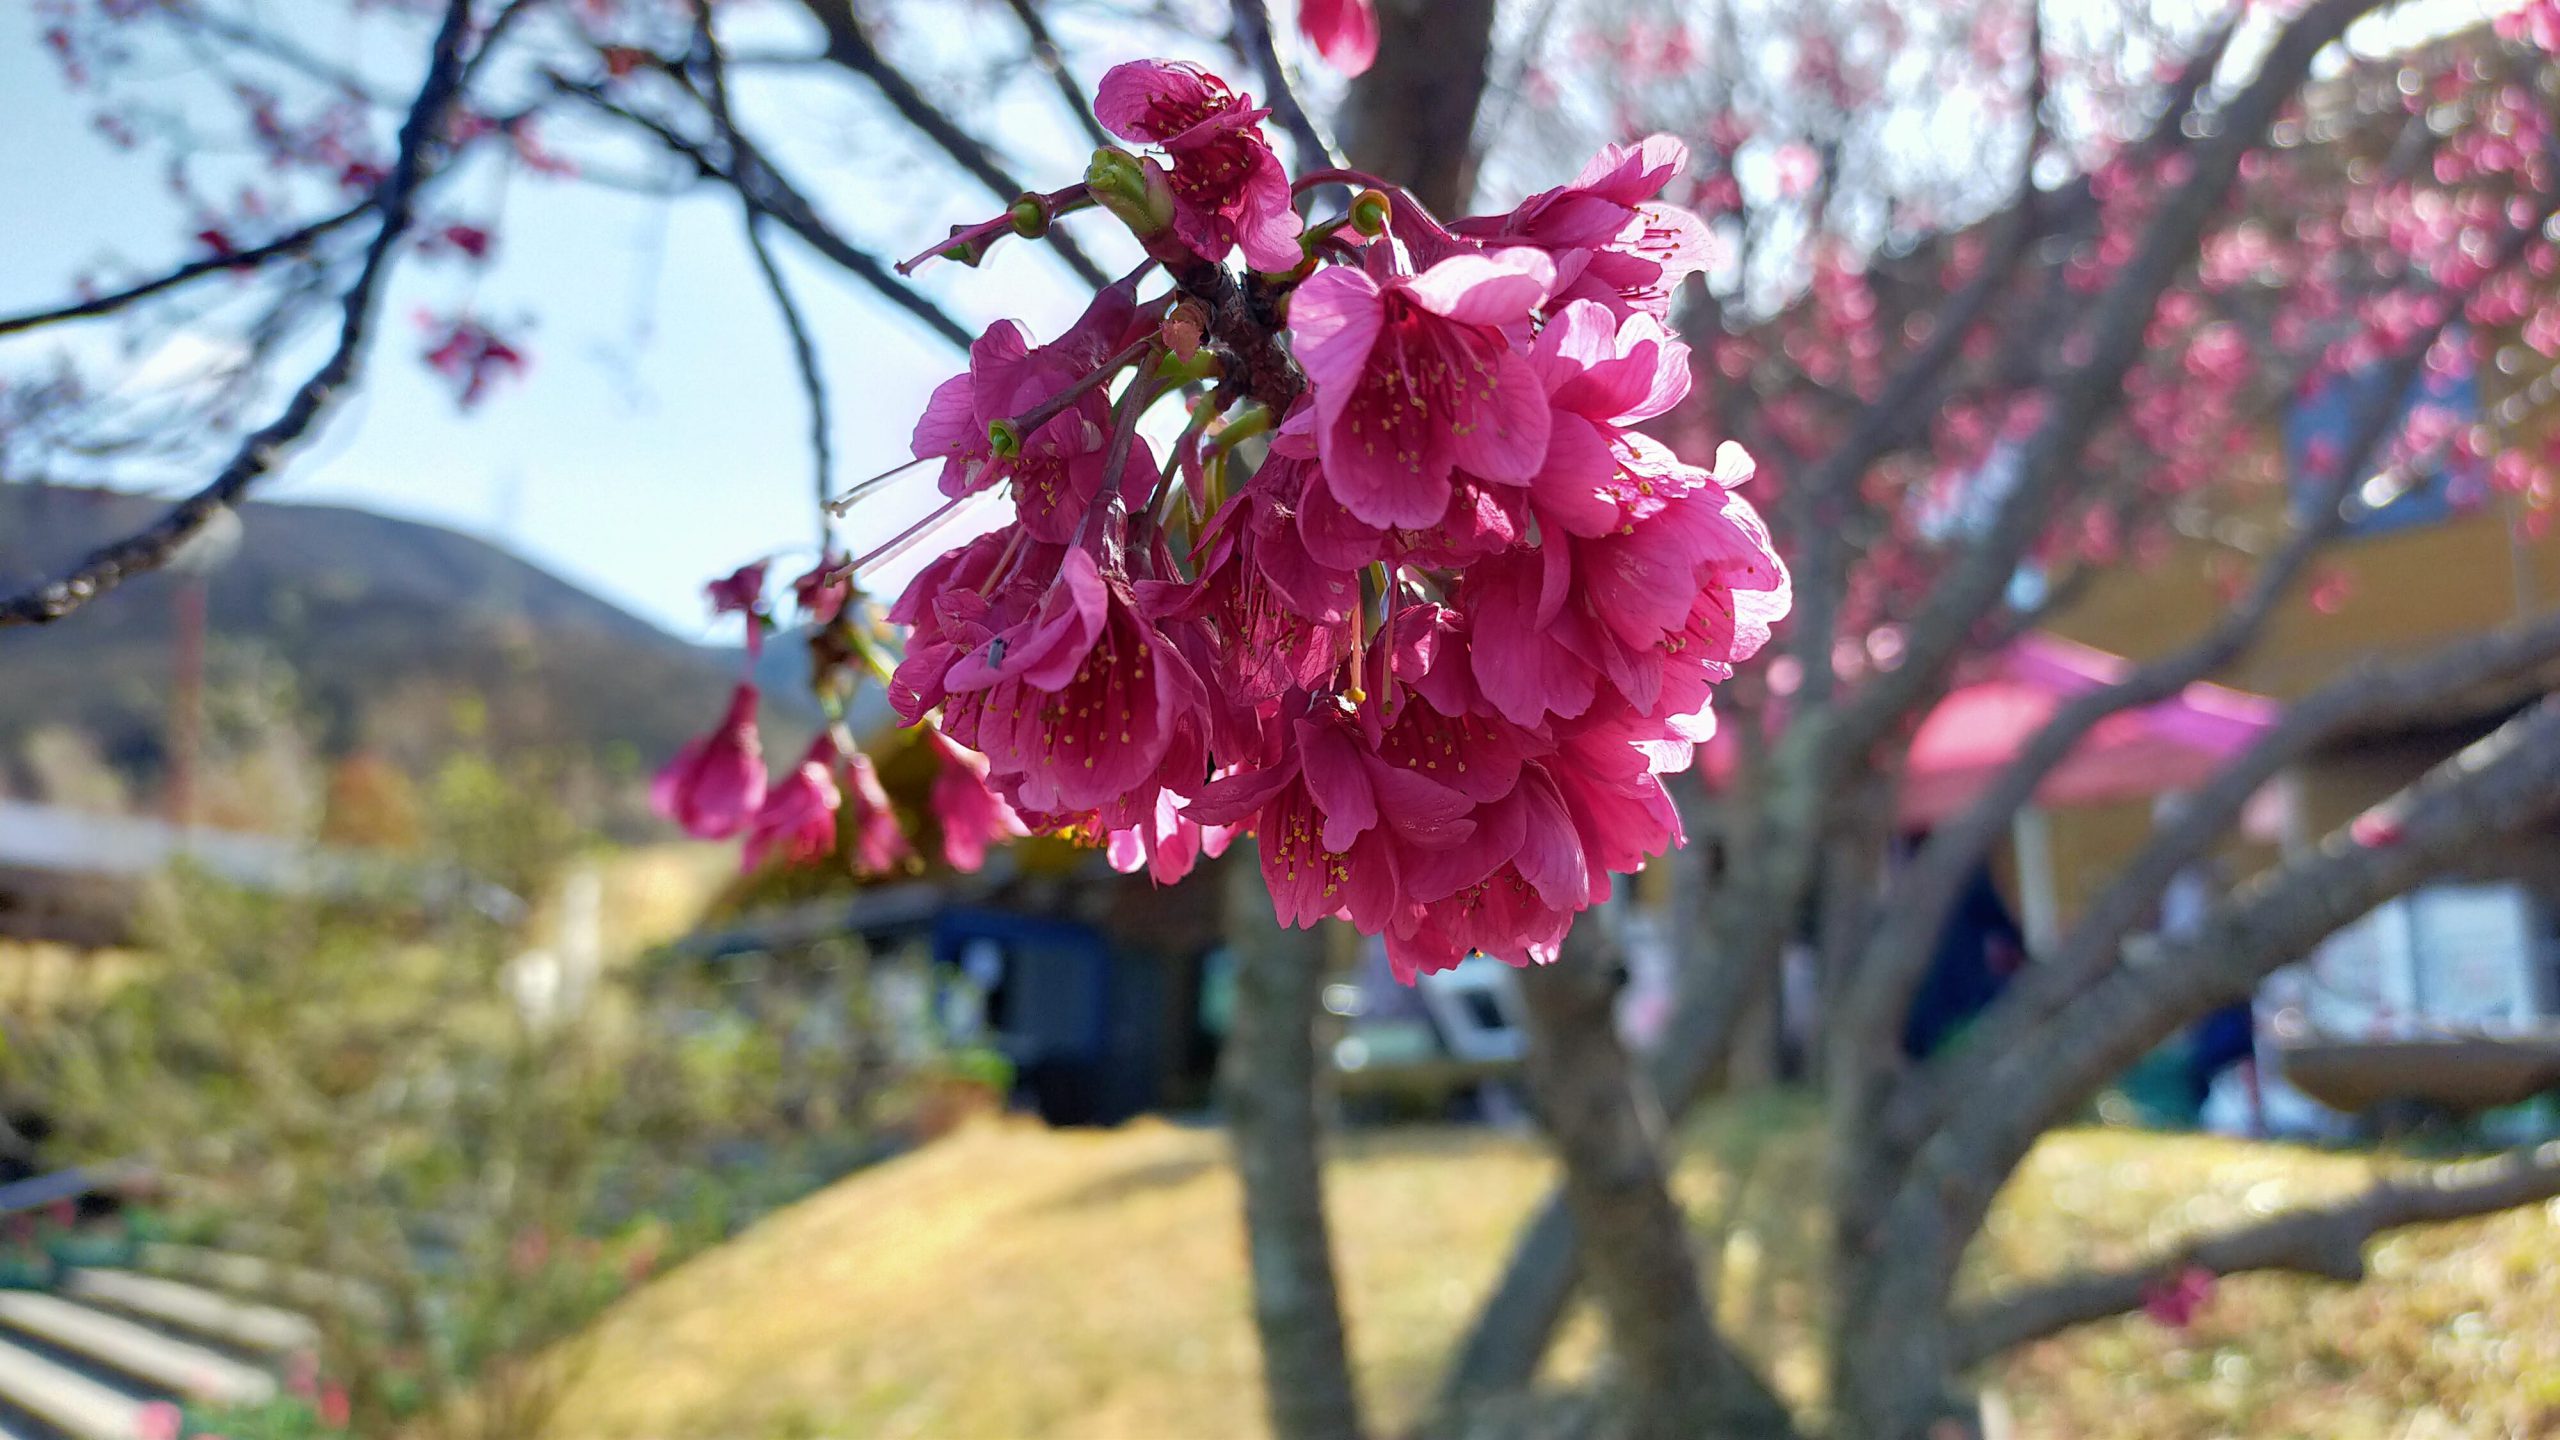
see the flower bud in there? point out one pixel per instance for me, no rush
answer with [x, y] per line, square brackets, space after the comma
[1134, 189]
[1370, 212]
[1183, 329]
[1031, 216]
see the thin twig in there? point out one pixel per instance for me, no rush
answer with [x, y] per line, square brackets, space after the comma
[804, 350]
[1046, 54]
[2326, 1242]
[396, 201]
[765, 187]
[849, 45]
[1253, 26]
[292, 243]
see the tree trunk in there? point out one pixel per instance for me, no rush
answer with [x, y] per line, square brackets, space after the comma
[1502, 1350]
[1411, 118]
[1267, 1079]
[1681, 1379]
[1893, 1360]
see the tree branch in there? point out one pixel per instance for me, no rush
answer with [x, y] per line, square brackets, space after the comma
[804, 350]
[395, 200]
[1053, 61]
[2079, 399]
[2517, 657]
[2493, 789]
[2326, 1243]
[292, 243]
[849, 46]
[765, 188]
[1253, 27]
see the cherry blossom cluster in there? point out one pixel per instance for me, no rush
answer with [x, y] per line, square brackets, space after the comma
[1356, 548]
[716, 788]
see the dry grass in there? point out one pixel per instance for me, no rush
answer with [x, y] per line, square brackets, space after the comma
[1014, 1281]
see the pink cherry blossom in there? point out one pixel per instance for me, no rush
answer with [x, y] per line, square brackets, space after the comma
[1612, 239]
[2537, 23]
[878, 841]
[739, 592]
[1230, 191]
[1058, 469]
[1345, 32]
[823, 590]
[2176, 1301]
[1166, 843]
[1415, 376]
[1336, 822]
[970, 814]
[1085, 702]
[715, 784]
[798, 817]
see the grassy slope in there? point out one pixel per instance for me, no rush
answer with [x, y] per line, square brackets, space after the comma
[1013, 1281]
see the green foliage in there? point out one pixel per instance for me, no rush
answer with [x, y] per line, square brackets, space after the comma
[352, 1080]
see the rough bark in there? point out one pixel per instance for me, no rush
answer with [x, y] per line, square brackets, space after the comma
[1681, 1378]
[1409, 118]
[1731, 960]
[1267, 1080]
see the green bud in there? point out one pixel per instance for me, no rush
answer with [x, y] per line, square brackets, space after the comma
[1005, 438]
[1134, 189]
[1370, 212]
[1031, 216]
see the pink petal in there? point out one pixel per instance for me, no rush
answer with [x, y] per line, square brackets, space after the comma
[1130, 91]
[1493, 288]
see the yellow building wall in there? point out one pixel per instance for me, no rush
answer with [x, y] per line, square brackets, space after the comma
[2406, 592]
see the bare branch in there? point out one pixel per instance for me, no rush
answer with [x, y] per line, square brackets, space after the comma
[2326, 1243]
[1253, 27]
[395, 200]
[1053, 61]
[849, 45]
[292, 244]
[770, 192]
[2079, 399]
[1899, 959]
[804, 349]
[2491, 791]
[2512, 660]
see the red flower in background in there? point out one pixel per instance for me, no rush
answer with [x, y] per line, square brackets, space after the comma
[470, 356]
[878, 842]
[1345, 32]
[715, 785]
[798, 817]
[2177, 1300]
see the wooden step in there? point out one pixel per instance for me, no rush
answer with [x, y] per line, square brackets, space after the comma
[130, 1349]
[66, 1399]
[243, 1324]
[255, 1275]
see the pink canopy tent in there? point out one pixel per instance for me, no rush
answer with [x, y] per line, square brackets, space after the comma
[2173, 745]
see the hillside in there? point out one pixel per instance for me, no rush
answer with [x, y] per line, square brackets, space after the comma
[389, 637]
[1013, 1280]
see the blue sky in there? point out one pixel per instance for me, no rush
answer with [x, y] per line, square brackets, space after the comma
[660, 435]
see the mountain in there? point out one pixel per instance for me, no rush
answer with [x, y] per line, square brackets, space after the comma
[387, 637]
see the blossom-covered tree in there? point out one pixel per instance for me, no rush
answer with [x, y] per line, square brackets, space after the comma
[1432, 551]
